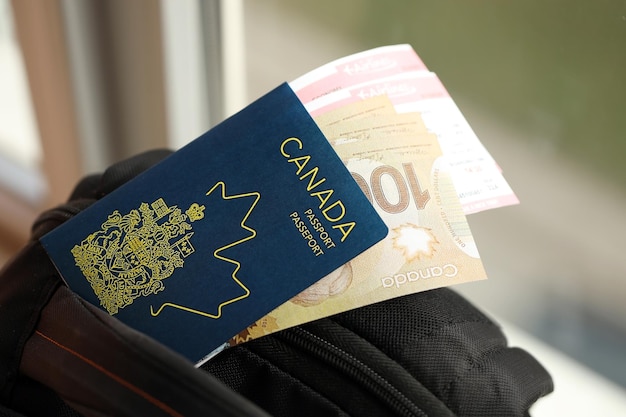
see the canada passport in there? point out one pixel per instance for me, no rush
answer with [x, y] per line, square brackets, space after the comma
[221, 232]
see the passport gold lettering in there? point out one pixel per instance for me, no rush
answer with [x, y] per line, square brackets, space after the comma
[313, 174]
[334, 211]
[317, 226]
[306, 234]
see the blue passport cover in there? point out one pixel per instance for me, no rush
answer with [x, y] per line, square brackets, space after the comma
[217, 235]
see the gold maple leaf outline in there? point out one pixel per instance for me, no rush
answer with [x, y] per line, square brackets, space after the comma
[217, 255]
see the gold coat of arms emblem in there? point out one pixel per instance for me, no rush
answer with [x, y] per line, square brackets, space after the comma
[132, 254]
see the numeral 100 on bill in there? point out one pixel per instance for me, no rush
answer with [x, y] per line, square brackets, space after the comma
[406, 183]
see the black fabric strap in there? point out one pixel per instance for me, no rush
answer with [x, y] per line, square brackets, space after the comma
[101, 367]
[26, 285]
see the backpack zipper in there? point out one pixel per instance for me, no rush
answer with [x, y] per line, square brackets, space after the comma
[355, 368]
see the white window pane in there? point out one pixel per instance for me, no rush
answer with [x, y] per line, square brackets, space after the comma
[20, 151]
[18, 131]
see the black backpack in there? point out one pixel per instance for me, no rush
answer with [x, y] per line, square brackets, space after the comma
[426, 354]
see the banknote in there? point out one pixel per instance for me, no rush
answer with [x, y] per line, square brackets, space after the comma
[356, 120]
[375, 106]
[430, 244]
[476, 176]
[366, 127]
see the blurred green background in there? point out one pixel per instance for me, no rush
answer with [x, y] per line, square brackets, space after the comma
[552, 69]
